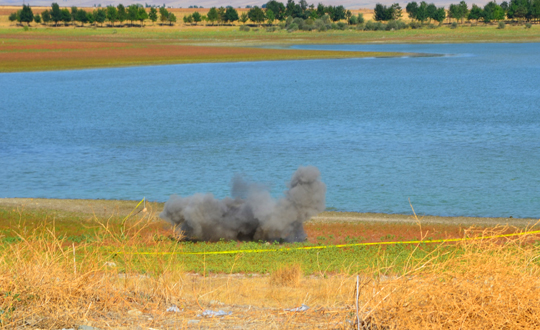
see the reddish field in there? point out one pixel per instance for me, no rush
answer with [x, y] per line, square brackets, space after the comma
[42, 52]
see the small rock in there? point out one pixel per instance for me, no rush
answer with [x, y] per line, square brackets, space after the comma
[110, 264]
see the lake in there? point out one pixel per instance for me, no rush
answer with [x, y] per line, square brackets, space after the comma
[457, 134]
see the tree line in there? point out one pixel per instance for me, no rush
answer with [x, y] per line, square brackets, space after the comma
[270, 12]
[305, 16]
[520, 10]
[112, 14]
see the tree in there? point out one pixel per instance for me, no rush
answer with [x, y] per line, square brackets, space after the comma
[411, 9]
[475, 14]
[163, 15]
[212, 15]
[196, 17]
[535, 9]
[56, 14]
[270, 17]
[153, 15]
[171, 18]
[221, 15]
[277, 8]
[112, 14]
[440, 15]
[187, 19]
[122, 13]
[37, 18]
[231, 15]
[90, 18]
[380, 12]
[244, 18]
[66, 16]
[492, 12]
[133, 13]
[383, 13]
[82, 16]
[46, 16]
[100, 15]
[256, 15]
[142, 15]
[397, 12]
[320, 10]
[74, 14]
[348, 14]
[339, 13]
[518, 9]
[289, 8]
[13, 17]
[464, 10]
[431, 11]
[421, 12]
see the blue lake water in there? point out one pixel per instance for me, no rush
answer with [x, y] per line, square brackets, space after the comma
[457, 135]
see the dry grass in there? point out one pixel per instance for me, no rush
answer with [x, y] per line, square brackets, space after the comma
[289, 275]
[47, 282]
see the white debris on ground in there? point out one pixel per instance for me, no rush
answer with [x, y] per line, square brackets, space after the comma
[211, 313]
[174, 309]
[302, 308]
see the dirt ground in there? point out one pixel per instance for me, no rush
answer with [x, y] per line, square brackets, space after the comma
[118, 207]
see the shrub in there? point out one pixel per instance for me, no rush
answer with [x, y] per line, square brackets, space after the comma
[528, 25]
[455, 25]
[501, 25]
[287, 276]
[360, 19]
[244, 28]
[353, 20]
[341, 26]
[272, 29]
[289, 21]
[432, 26]
[415, 25]
[293, 27]
[322, 28]
[333, 26]
[325, 18]
[396, 25]
[375, 26]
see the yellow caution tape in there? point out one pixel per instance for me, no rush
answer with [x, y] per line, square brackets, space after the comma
[338, 246]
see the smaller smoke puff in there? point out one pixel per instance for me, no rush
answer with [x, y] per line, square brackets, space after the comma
[251, 213]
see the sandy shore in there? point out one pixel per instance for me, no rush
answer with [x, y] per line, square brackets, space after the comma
[104, 208]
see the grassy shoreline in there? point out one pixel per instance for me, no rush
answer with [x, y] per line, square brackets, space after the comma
[103, 208]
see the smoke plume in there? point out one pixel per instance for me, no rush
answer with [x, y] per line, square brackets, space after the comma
[251, 213]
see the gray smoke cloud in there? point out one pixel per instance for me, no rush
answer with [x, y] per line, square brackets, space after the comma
[251, 213]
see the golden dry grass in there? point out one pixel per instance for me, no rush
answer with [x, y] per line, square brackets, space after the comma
[288, 275]
[48, 283]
